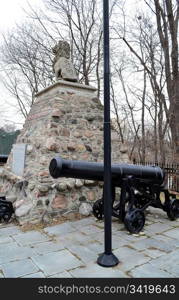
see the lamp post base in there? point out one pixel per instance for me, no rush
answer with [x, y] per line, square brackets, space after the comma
[107, 260]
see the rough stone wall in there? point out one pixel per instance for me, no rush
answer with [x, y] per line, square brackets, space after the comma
[67, 120]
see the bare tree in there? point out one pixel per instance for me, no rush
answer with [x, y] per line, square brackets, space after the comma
[80, 23]
[166, 89]
[26, 64]
[155, 50]
[167, 17]
[119, 123]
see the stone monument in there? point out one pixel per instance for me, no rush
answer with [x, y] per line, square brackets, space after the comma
[66, 119]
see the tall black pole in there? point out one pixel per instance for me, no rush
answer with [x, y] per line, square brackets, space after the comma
[107, 259]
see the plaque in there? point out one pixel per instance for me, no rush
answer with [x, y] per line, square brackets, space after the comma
[18, 159]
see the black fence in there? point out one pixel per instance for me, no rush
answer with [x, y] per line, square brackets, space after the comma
[7, 139]
[171, 171]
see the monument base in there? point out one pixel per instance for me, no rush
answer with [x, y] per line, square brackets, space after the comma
[65, 120]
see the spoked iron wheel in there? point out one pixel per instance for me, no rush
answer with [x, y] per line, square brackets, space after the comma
[173, 209]
[98, 209]
[134, 220]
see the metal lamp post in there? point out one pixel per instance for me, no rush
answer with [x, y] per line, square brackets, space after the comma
[107, 259]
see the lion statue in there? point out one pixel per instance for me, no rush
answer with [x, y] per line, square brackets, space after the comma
[62, 66]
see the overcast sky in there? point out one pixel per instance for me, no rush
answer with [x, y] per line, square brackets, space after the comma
[11, 12]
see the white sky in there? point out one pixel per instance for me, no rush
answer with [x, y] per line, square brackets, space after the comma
[11, 12]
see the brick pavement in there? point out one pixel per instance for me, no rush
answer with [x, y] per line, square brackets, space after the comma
[71, 249]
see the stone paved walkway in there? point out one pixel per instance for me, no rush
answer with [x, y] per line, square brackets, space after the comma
[71, 249]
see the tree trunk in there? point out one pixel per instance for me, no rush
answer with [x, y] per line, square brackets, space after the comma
[167, 26]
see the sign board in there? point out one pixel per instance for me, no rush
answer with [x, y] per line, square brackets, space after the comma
[18, 159]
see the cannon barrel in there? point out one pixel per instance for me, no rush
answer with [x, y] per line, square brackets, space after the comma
[95, 171]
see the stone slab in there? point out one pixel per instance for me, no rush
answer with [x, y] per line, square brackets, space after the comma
[13, 230]
[118, 241]
[18, 159]
[130, 238]
[56, 262]
[5, 240]
[123, 252]
[83, 253]
[157, 228]
[167, 261]
[13, 252]
[153, 244]
[64, 274]
[116, 226]
[47, 247]
[93, 270]
[174, 233]
[69, 86]
[97, 247]
[129, 262]
[148, 271]
[174, 270]
[74, 238]
[7, 248]
[91, 229]
[82, 222]
[166, 239]
[31, 237]
[153, 253]
[60, 229]
[98, 237]
[18, 268]
[34, 275]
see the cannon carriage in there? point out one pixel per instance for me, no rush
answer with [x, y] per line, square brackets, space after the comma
[141, 187]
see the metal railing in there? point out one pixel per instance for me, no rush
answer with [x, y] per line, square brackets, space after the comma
[171, 171]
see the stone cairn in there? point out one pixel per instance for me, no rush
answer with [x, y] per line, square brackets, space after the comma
[66, 119]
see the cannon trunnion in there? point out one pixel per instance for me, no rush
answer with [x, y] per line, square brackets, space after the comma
[141, 186]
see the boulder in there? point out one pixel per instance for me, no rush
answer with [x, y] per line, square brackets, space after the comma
[59, 202]
[85, 209]
[23, 209]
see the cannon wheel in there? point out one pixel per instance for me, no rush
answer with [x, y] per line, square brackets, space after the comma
[6, 217]
[98, 209]
[134, 220]
[173, 209]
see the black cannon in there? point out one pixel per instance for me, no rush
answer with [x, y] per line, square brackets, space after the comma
[141, 186]
[6, 209]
